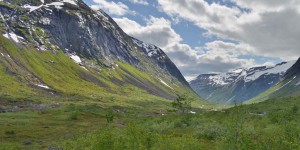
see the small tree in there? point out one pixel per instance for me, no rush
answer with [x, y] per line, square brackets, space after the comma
[182, 104]
[109, 116]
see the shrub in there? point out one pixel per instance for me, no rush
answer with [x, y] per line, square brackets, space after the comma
[73, 115]
[10, 132]
[109, 116]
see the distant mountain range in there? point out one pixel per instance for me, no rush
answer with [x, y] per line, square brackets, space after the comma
[241, 84]
[289, 86]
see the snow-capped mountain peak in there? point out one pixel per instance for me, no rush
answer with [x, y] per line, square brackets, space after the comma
[249, 74]
[151, 49]
[240, 84]
[256, 72]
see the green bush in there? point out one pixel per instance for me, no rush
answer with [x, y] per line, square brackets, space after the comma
[109, 116]
[73, 115]
[210, 131]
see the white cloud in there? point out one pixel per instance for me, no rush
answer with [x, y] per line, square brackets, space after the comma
[113, 8]
[157, 31]
[217, 56]
[268, 28]
[142, 2]
[268, 63]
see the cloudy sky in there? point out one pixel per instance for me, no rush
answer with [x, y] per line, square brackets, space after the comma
[204, 36]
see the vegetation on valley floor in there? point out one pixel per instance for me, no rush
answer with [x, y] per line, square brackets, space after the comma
[273, 124]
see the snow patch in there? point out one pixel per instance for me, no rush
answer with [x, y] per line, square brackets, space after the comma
[150, 48]
[218, 79]
[43, 86]
[45, 21]
[73, 2]
[165, 83]
[84, 68]
[247, 75]
[238, 70]
[1, 16]
[43, 48]
[75, 58]
[13, 36]
[57, 5]
[32, 8]
[272, 70]
[100, 13]
[81, 19]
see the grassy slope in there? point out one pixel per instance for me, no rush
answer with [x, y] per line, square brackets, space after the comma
[64, 76]
[284, 88]
[273, 124]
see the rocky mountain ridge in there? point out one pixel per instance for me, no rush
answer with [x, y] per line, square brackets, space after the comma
[289, 85]
[103, 53]
[239, 85]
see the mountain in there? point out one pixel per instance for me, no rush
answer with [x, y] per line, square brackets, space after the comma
[238, 85]
[289, 86]
[64, 48]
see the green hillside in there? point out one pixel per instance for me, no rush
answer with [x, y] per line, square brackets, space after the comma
[288, 87]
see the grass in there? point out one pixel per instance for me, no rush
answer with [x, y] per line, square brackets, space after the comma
[46, 127]
[240, 127]
[273, 124]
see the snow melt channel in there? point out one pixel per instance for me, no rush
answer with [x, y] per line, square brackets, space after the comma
[165, 84]
[43, 86]
[285, 84]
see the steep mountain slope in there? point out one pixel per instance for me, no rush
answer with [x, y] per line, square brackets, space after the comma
[289, 86]
[238, 85]
[64, 48]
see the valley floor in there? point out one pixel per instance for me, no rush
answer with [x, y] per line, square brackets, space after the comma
[274, 124]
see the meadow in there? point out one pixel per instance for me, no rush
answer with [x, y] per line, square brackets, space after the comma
[273, 124]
